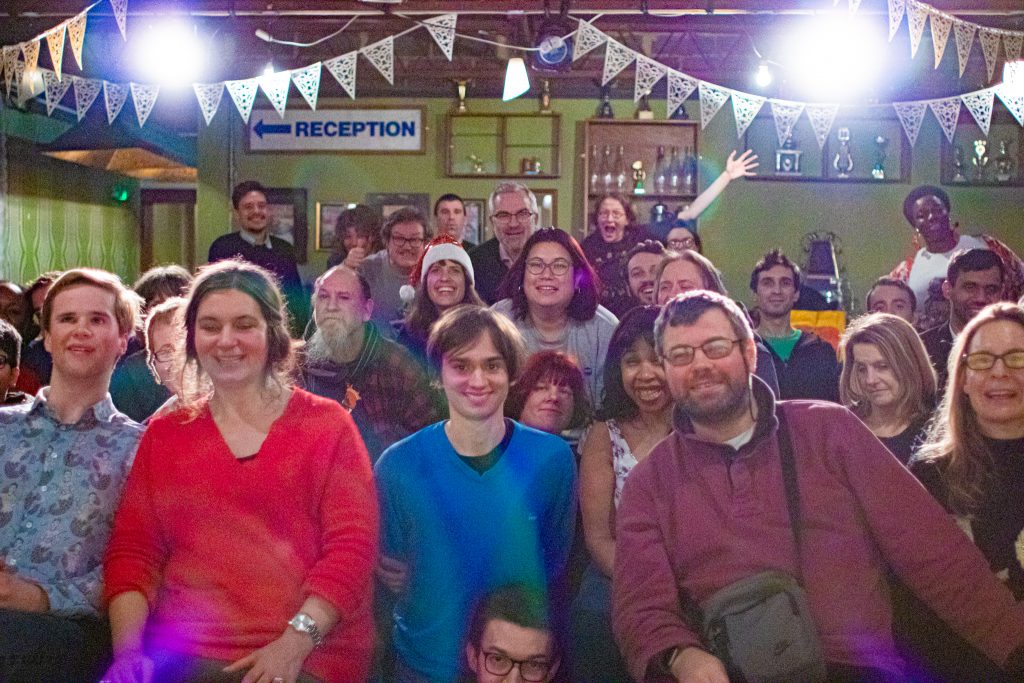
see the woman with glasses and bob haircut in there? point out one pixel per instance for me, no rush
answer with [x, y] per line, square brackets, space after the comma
[552, 294]
[615, 232]
[247, 532]
[887, 380]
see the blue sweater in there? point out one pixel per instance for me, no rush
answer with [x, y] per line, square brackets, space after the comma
[464, 534]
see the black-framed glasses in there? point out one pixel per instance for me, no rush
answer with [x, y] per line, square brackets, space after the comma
[414, 242]
[558, 267]
[529, 669]
[682, 243]
[983, 360]
[504, 217]
[715, 349]
[163, 355]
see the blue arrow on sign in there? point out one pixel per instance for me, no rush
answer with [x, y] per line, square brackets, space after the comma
[272, 128]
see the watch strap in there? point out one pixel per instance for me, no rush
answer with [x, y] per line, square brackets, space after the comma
[303, 623]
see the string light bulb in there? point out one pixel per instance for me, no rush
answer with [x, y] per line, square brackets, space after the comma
[763, 77]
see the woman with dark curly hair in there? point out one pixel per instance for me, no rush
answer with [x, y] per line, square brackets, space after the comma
[615, 232]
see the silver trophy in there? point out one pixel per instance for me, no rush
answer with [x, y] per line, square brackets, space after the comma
[878, 170]
[843, 161]
[980, 159]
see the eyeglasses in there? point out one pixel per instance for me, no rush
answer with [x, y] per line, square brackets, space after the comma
[504, 217]
[415, 242]
[683, 243]
[615, 215]
[163, 355]
[681, 356]
[983, 360]
[529, 669]
[558, 267]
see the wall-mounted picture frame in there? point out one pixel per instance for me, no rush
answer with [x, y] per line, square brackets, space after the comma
[287, 219]
[475, 220]
[327, 237]
[389, 202]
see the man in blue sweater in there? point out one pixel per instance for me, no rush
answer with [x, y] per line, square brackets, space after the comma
[472, 503]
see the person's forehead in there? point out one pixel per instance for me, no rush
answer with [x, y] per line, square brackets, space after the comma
[711, 324]
[679, 234]
[612, 204]
[84, 298]
[339, 281]
[889, 293]
[480, 348]
[996, 335]
[252, 197]
[549, 250]
[644, 260]
[928, 201]
[681, 269]
[776, 272]
[511, 201]
[519, 642]
[407, 228]
[988, 276]
[450, 205]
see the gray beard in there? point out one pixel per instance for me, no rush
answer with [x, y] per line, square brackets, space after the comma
[329, 344]
[735, 402]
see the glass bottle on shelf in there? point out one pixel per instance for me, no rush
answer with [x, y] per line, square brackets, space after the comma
[674, 176]
[607, 175]
[595, 170]
[1004, 164]
[622, 174]
[660, 172]
[690, 172]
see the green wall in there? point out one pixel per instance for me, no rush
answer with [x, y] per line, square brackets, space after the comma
[748, 219]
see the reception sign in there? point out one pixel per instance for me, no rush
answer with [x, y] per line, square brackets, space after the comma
[337, 130]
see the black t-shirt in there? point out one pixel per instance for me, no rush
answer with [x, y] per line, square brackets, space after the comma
[482, 463]
[905, 444]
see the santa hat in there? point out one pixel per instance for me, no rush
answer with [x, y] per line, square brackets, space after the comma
[441, 248]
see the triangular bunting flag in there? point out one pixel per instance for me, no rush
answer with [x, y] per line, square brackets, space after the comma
[343, 69]
[964, 32]
[940, 35]
[1013, 102]
[786, 115]
[209, 96]
[980, 105]
[947, 111]
[144, 97]
[616, 58]
[990, 48]
[442, 30]
[55, 41]
[910, 115]
[55, 90]
[917, 15]
[120, 8]
[76, 35]
[896, 8]
[86, 91]
[10, 65]
[745, 108]
[114, 97]
[680, 87]
[307, 82]
[243, 94]
[586, 39]
[711, 100]
[648, 72]
[382, 55]
[275, 87]
[1011, 45]
[23, 85]
[31, 52]
[821, 117]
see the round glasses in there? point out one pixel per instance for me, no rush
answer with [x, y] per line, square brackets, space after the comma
[558, 267]
[715, 349]
[504, 217]
[414, 242]
[683, 243]
[983, 360]
[529, 669]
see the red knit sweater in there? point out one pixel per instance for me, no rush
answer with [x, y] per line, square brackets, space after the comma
[226, 550]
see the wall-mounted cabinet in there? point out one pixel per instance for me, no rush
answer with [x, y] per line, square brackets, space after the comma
[984, 161]
[503, 146]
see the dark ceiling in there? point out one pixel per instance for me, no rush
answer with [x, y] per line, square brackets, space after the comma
[713, 40]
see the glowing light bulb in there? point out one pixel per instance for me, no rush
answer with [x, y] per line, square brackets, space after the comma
[516, 80]
[763, 77]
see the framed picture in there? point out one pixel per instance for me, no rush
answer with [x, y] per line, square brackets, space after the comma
[389, 202]
[327, 238]
[286, 218]
[475, 220]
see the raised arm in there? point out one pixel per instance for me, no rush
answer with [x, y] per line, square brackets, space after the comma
[740, 167]
[597, 492]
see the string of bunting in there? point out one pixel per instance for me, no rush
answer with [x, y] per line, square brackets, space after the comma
[618, 57]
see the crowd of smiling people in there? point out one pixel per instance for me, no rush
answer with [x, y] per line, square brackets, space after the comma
[523, 461]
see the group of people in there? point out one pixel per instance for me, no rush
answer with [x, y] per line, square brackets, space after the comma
[534, 459]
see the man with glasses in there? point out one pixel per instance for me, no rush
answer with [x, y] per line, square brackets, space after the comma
[405, 232]
[708, 507]
[510, 638]
[512, 210]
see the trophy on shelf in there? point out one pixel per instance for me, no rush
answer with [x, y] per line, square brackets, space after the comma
[787, 158]
[460, 89]
[639, 176]
[545, 97]
[1004, 163]
[843, 161]
[605, 110]
[878, 170]
[980, 159]
[643, 111]
[958, 165]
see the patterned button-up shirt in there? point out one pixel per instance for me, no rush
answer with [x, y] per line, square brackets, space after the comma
[59, 487]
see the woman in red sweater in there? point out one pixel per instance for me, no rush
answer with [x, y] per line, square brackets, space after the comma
[247, 534]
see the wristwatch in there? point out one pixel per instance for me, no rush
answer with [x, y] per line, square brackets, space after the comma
[303, 623]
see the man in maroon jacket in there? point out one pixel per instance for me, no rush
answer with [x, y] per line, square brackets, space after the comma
[708, 507]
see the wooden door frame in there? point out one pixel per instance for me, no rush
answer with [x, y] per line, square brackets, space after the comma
[149, 197]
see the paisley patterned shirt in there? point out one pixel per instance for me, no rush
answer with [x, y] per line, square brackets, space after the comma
[59, 487]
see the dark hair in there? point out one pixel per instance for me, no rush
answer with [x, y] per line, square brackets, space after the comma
[646, 247]
[773, 258]
[423, 312]
[972, 261]
[10, 343]
[515, 603]
[555, 367]
[636, 324]
[366, 222]
[449, 198]
[243, 188]
[886, 281]
[260, 285]
[627, 207]
[686, 309]
[923, 191]
[44, 280]
[364, 284]
[407, 214]
[587, 293]
[462, 325]
[691, 227]
[162, 282]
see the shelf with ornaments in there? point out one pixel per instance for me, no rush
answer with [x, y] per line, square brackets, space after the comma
[503, 145]
[978, 160]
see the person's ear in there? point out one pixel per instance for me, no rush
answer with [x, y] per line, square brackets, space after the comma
[15, 373]
[471, 656]
[749, 349]
[946, 289]
[367, 309]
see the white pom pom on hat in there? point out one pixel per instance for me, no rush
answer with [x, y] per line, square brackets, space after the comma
[407, 293]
